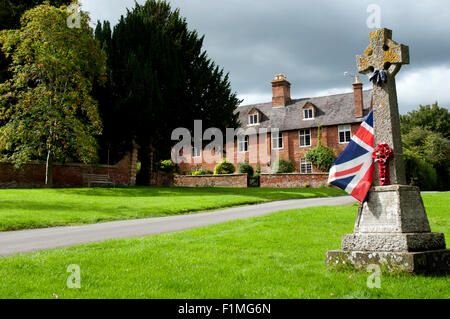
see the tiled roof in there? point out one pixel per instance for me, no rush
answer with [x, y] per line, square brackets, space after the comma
[330, 110]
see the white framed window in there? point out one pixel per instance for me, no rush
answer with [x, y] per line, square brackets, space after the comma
[243, 144]
[308, 114]
[196, 152]
[345, 134]
[277, 140]
[305, 166]
[253, 119]
[305, 138]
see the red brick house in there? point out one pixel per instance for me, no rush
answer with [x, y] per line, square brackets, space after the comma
[297, 121]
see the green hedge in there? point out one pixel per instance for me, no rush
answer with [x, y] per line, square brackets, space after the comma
[419, 172]
[202, 172]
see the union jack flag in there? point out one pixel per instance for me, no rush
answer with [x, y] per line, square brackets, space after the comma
[353, 170]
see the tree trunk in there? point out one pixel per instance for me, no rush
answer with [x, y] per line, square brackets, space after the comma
[49, 170]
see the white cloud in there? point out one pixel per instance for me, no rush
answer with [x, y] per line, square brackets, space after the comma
[255, 98]
[423, 86]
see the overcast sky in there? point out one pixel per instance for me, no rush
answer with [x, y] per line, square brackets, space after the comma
[313, 43]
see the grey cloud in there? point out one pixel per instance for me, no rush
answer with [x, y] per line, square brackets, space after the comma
[312, 42]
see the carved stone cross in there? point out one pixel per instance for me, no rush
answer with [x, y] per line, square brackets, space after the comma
[385, 54]
[392, 227]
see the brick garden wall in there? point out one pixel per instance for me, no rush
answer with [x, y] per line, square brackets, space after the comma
[163, 179]
[294, 180]
[233, 180]
[64, 175]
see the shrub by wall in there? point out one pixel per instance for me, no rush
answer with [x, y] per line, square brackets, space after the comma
[224, 167]
[246, 168]
[283, 167]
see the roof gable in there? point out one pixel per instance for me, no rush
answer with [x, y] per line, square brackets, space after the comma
[309, 105]
[254, 110]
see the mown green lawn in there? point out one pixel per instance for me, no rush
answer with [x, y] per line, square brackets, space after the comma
[281, 255]
[40, 208]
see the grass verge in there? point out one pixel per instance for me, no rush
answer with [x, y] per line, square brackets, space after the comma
[281, 255]
[41, 208]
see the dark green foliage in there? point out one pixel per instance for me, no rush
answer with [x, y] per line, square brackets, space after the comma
[167, 166]
[283, 167]
[224, 167]
[419, 172]
[432, 118]
[246, 168]
[426, 146]
[322, 157]
[427, 153]
[159, 79]
[10, 13]
[12, 10]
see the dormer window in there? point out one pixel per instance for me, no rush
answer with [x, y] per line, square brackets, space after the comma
[308, 114]
[253, 119]
[309, 111]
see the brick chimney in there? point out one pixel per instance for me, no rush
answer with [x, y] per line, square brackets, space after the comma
[358, 94]
[281, 89]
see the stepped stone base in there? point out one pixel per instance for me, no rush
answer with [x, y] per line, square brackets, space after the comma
[429, 262]
[392, 230]
[393, 242]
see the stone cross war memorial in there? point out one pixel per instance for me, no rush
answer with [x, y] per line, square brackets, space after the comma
[392, 228]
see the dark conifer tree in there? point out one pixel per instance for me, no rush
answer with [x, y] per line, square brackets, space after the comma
[160, 78]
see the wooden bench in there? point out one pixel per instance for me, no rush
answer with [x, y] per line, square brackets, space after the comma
[98, 179]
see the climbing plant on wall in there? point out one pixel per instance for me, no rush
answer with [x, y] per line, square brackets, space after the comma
[321, 156]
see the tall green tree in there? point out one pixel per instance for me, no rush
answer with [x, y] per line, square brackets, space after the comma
[10, 13]
[426, 147]
[46, 109]
[160, 78]
[430, 117]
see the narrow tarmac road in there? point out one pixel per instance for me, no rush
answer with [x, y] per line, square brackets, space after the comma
[25, 241]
